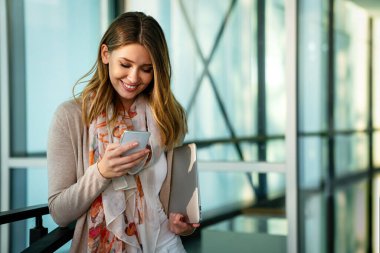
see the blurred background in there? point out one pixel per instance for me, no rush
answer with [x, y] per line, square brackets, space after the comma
[282, 97]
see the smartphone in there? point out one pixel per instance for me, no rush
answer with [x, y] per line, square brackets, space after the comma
[141, 137]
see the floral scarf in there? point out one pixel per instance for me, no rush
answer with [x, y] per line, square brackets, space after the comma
[115, 214]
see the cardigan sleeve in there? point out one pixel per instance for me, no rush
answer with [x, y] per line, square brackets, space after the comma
[72, 187]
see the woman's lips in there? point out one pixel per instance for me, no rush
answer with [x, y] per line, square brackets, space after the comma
[129, 87]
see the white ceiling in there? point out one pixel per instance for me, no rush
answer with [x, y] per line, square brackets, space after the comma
[372, 6]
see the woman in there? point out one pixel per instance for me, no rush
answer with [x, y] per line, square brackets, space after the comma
[128, 89]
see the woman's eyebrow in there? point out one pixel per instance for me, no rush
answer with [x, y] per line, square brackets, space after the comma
[128, 60]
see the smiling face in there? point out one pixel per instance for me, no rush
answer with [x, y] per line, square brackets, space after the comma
[130, 70]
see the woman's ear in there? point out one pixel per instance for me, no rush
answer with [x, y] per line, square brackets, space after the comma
[104, 53]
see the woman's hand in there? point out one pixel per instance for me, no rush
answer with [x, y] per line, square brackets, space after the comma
[178, 226]
[113, 164]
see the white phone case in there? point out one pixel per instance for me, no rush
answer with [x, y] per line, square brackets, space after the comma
[125, 182]
[141, 137]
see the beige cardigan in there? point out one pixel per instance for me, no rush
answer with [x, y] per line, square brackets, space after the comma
[73, 187]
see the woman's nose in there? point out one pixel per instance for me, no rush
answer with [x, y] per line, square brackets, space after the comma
[133, 76]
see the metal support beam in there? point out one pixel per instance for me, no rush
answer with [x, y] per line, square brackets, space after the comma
[4, 127]
[291, 125]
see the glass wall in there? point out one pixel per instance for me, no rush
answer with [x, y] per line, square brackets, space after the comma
[351, 35]
[56, 56]
[236, 109]
[334, 127]
[228, 60]
[351, 87]
[351, 218]
[215, 72]
[48, 55]
[312, 123]
[235, 104]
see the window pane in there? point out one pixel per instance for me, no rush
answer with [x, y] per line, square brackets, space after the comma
[312, 162]
[313, 70]
[228, 189]
[30, 187]
[218, 152]
[57, 55]
[351, 217]
[275, 67]
[223, 189]
[351, 153]
[276, 185]
[213, 48]
[312, 223]
[275, 151]
[227, 97]
[351, 66]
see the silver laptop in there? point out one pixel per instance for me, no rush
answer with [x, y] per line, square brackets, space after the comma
[184, 190]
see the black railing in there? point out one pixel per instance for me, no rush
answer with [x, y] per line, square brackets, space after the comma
[53, 240]
[40, 239]
[26, 213]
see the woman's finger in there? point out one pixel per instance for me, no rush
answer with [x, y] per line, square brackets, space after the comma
[113, 164]
[112, 150]
[127, 166]
[125, 147]
[178, 226]
[124, 160]
[112, 146]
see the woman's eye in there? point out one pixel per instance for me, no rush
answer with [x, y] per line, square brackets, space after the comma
[125, 65]
[147, 70]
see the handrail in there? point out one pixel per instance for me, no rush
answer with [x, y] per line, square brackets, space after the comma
[50, 242]
[40, 239]
[23, 213]
[53, 240]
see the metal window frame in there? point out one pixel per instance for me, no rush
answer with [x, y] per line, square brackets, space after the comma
[291, 165]
[370, 136]
[4, 134]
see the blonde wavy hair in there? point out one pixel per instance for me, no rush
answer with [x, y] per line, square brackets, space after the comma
[98, 95]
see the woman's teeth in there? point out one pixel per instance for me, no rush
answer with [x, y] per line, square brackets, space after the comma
[130, 86]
